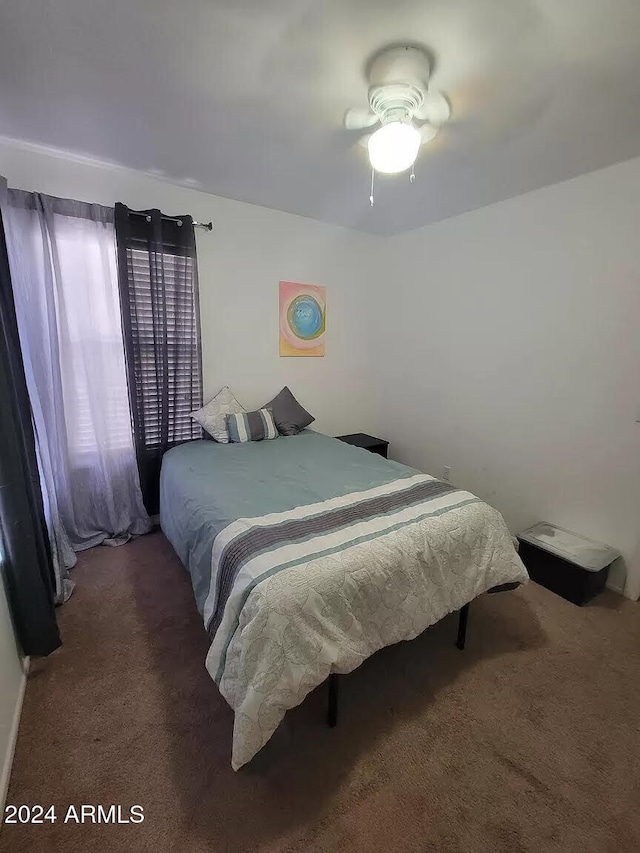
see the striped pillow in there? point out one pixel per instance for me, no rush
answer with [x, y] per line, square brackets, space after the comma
[251, 426]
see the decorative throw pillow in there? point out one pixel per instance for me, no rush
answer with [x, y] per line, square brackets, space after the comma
[288, 414]
[251, 426]
[213, 417]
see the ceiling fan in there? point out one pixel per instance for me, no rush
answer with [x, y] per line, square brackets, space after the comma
[408, 111]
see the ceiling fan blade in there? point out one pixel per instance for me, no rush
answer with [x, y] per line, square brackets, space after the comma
[357, 118]
[435, 109]
[428, 131]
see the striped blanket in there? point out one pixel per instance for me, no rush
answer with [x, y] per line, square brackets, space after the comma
[296, 595]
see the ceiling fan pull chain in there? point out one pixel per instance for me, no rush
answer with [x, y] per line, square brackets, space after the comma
[373, 171]
[412, 176]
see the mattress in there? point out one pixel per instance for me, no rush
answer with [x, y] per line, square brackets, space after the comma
[307, 555]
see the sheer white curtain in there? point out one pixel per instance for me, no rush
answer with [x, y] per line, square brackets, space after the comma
[63, 268]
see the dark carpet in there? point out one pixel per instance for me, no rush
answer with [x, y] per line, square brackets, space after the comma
[529, 740]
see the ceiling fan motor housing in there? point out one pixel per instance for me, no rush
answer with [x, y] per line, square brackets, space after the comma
[399, 78]
[396, 101]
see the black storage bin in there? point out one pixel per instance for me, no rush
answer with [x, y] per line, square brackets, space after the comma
[569, 565]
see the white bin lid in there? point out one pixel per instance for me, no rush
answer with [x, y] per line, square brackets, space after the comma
[579, 550]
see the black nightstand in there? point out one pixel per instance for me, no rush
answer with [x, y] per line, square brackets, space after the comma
[368, 442]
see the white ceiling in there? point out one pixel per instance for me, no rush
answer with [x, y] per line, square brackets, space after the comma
[245, 98]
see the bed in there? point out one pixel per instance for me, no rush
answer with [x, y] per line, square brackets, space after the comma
[307, 555]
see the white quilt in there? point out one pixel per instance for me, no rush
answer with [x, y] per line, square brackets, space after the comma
[297, 609]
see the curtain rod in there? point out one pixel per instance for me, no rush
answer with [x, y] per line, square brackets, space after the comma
[207, 226]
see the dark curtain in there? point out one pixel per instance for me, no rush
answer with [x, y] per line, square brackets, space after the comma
[158, 277]
[24, 549]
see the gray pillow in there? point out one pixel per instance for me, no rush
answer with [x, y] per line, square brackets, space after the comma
[213, 416]
[288, 414]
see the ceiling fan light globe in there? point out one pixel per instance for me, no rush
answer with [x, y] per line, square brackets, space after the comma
[394, 147]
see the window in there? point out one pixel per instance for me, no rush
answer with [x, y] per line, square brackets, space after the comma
[70, 324]
[92, 348]
[165, 347]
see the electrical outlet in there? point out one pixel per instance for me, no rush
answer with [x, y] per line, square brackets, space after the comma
[446, 473]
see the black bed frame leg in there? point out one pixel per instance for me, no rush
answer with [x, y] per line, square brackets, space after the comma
[462, 626]
[332, 708]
